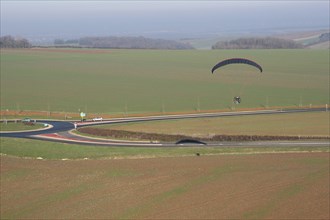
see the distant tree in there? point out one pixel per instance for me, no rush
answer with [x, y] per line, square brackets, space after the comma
[132, 43]
[72, 41]
[58, 41]
[324, 37]
[7, 42]
[257, 43]
[22, 43]
[63, 42]
[10, 42]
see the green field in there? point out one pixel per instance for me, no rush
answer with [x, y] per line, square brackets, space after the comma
[12, 126]
[143, 81]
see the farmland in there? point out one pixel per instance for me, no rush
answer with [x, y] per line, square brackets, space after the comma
[74, 181]
[144, 81]
[107, 113]
[257, 186]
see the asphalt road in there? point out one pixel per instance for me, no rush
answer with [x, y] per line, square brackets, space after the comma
[58, 131]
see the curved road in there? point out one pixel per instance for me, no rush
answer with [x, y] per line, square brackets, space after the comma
[59, 131]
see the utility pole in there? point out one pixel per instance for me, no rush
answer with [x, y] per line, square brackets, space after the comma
[163, 108]
[48, 109]
[17, 107]
[198, 104]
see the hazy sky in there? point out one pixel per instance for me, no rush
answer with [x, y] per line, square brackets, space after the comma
[158, 18]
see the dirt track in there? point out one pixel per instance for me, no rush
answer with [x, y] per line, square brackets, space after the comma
[273, 186]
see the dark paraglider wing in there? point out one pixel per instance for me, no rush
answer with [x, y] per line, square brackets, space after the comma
[236, 61]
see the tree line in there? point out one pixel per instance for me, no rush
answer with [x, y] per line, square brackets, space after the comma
[11, 42]
[324, 37]
[126, 43]
[148, 43]
[257, 43]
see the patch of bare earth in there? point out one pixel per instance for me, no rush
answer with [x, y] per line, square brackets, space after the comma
[122, 134]
[273, 186]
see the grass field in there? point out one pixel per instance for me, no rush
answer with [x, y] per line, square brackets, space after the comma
[139, 81]
[12, 126]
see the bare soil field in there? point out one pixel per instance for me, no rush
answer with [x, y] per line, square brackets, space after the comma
[259, 186]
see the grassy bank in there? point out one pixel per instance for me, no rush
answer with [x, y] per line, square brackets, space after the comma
[52, 150]
[19, 126]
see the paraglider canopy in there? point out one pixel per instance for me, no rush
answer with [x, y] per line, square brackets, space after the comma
[236, 61]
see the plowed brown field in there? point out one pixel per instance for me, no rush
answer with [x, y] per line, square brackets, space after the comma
[267, 186]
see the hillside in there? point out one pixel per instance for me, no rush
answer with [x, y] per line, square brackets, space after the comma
[323, 45]
[310, 39]
[320, 42]
[297, 36]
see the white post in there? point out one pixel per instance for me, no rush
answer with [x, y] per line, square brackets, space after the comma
[326, 107]
[48, 108]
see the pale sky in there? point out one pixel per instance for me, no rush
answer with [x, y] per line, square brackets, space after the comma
[158, 18]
